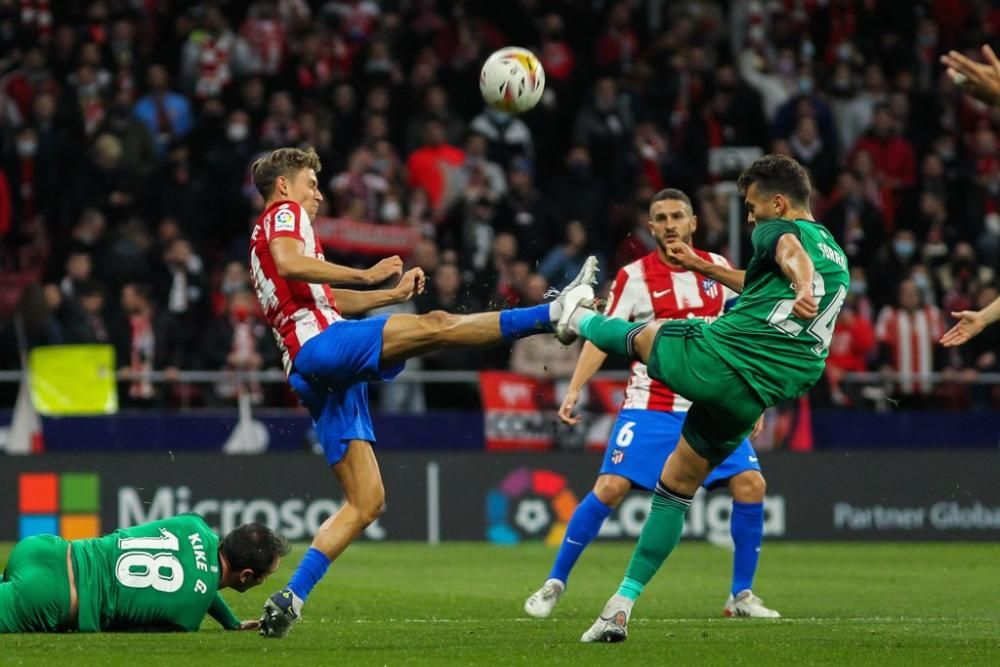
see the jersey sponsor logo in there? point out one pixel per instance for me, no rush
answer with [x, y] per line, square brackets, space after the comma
[284, 221]
[657, 294]
[710, 287]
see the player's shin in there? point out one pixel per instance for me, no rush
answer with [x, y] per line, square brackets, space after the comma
[582, 529]
[610, 334]
[520, 322]
[659, 537]
[746, 525]
[311, 569]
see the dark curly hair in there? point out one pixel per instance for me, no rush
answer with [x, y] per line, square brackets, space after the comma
[254, 546]
[777, 174]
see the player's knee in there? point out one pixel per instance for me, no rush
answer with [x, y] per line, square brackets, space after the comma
[749, 487]
[611, 489]
[438, 320]
[643, 345]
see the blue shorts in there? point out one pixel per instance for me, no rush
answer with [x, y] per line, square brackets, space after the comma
[329, 375]
[641, 441]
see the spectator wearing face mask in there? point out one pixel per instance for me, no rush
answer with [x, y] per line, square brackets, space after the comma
[894, 260]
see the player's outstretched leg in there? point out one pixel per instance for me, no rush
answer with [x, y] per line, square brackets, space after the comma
[610, 334]
[364, 500]
[683, 472]
[583, 526]
[746, 525]
[406, 336]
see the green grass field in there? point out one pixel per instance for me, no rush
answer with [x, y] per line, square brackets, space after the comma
[391, 604]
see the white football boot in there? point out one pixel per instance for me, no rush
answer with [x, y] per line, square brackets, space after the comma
[748, 605]
[541, 603]
[579, 292]
[611, 626]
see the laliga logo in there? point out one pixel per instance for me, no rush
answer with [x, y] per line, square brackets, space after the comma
[535, 499]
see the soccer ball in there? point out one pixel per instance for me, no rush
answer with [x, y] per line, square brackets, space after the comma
[512, 80]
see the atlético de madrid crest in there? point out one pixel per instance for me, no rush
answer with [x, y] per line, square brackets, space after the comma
[710, 287]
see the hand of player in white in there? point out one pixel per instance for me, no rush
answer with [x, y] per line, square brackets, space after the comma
[566, 415]
[682, 253]
[412, 282]
[970, 323]
[385, 269]
[982, 81]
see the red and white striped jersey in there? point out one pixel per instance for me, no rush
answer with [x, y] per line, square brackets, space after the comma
[911, 338]
[296, 310]
[647, 290]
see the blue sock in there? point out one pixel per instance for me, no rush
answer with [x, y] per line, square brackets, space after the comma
[746, 525]
[311, 569]
[521, 322]
[582, 529]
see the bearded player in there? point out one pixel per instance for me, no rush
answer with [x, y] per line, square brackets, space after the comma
[329, 359]
[164, 575]
[657, 287]
[770, 347]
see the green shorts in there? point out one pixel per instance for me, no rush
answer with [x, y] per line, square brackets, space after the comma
[724, 409]
[34, 593]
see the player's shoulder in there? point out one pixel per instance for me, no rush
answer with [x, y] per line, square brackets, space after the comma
[631, 270]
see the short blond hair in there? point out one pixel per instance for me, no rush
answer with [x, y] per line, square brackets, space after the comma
[282, 162]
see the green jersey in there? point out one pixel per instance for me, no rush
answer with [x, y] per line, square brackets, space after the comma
[162, 575]
[779, 355]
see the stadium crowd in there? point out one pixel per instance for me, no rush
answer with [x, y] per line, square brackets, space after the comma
[127, 128]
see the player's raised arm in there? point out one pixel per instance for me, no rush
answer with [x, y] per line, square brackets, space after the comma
[794, 262]
[970, 324]
[354, 302]
[293, 264]
[682, 253]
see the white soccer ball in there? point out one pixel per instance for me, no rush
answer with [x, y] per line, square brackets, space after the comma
[512, 79]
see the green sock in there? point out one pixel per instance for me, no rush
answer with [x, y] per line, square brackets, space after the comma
[630, 588]
[659, 536]
[609, 334]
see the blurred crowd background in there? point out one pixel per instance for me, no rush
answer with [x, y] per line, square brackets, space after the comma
[127, 128]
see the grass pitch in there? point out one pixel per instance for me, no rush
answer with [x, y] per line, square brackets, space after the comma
[393, 604]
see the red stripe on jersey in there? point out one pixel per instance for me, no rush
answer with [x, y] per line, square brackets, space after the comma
[911, 337]
[663, 292]
[296, 310]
